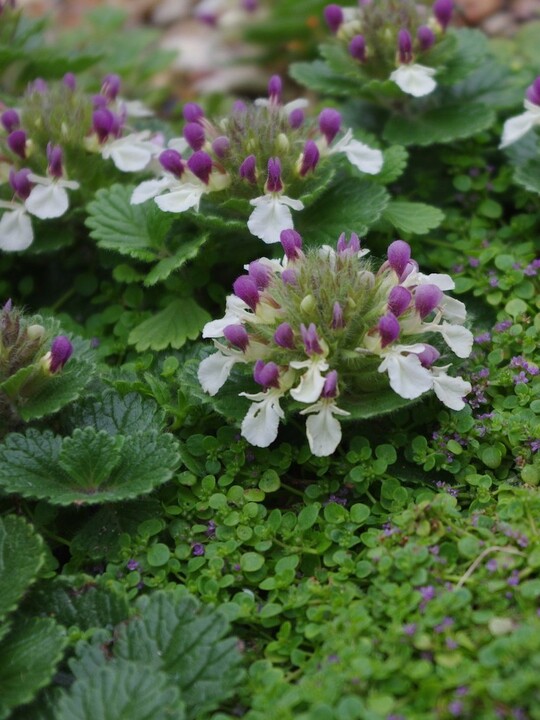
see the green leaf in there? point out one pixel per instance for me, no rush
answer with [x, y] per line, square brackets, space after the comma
[172, 327]
[116, 414]
[411, 217]
[21, 556]
[528, 176]
[351, 205]
[187, 251]
[469, 54]
[319, 77]
[439, 125]
[371, 405]
[395, 162]
[30, 654]
[122, 691]
[134, 230]
[89, 457]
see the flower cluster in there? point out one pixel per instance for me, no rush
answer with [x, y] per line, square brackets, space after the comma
[515, 128]
[322, 323]
[367, 29]
[259, 152]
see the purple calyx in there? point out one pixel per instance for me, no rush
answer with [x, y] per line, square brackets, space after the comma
[399, 300]
[357, 48]
[296, 118]
[16, 142]
[237, 336]
[429, 355]
[533, 92]
[111, 86]
[194, 134]
[284, 336]
[200, 164]
[399, 254]
[289, 277]
[70, 81]
[404, 46]
[292, 244]
[426, 298]
[247, 169]
[329, 123]
[330, 389]
[443, 9]
[337, 316]
[310, 339]
[61, 351]
[389, 329]
[20, 183]
[333, 16]
[221, 146]
[348, 247]
[273, 181]
[275, 88]
[192, 112]
[246, 289]
[103, 123]
[260, 274]
[10, 120]
[425, 37]
[171, 161]
[310, 158]
[54, 160]
[266, 374]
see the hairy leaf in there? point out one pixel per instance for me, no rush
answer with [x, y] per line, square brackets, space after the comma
[319, 77]
[116, 414]
[21, 556]
[411, 217]
[89, 457]
[172, 327]
[187, 251]
[439, 125]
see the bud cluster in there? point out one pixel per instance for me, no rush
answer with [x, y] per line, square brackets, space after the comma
[392, 39]
[323, 323]
[265, 152]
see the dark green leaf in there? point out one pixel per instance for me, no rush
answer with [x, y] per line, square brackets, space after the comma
[187, 251]
[439, 125]
[21, 556]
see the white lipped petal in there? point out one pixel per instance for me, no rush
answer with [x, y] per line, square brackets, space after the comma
[458, 338]
[515, 128]
[150, 189]
[47, 200]
[450, 390]
[322, 428]
[15, 230]
[184, 197]
[406, 375]
[261, 423]
[131, 153]
[414, 79]
[368, 160]
[179, 144]
[271, 216]
[236, 311]
[215, 369]
[453, 310]
[135, 108]
[312, 382]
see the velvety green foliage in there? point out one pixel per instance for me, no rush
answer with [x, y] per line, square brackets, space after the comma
[21, 556]
[171, 327]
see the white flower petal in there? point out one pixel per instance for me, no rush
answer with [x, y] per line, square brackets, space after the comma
[312, 382]
[441, 280]
[407, 376]
[298, 104]
[131, 153]
[15, 230]
[214, 370]
[515, 128]
[322, 429]
[136, 108]
[47, 201]
[179, 144]
[269, 218]
[450, 390]
[453, 310]
[367, 160]
[149, 189]
[261, 423]
[183, 198]
[416, 80]
[235, 310]
[458, 338]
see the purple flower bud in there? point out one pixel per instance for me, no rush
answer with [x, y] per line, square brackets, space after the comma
[399, 254]
[411, 266]
[194, 135]
[273, 182]
[8, 306]
[357, 48]
[54, 158]
[192, 112]
[61, 351]
[275, 87]
[70, 81]
[200, 164]
[310, 158]
[429, 355]
[329, 123]
[250, 5]
[172, 162]
[247, 169]
[399, 300]
[266, 374]
[284, 336]
[310, 339]
[292, 244]
[20, 183]
[330, 385]
[237, 336]
[426, 299]
[111, 86]
[245, 288]
[532, 93]
[337, 316]
[38, 85]
[102, 123]
[333, 16]
[388, 328]
[16, 142]
[443, 9]
[239, 106]
[404, 46]
[260, 274]
[351, 247]
[99, 102]
[221, 146]
[289, 277]
[296, 118]
[426, 37]
[10, 120]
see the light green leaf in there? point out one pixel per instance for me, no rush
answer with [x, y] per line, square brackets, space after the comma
[370, 405]
[439, 125]
[187, 251]
[319, 77]
[528, 176]
[21, 556]
[30, 654]
[172, 327]
[89, 457]
[412, 217]
[395, 162]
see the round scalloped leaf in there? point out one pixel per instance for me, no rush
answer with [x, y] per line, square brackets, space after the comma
[21, 556]
[118, 415]
[30, 654]
[412, 217]
[44, 466]
[172, 327]
[439, 125]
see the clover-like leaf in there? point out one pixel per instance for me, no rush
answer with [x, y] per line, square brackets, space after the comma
[21, 556]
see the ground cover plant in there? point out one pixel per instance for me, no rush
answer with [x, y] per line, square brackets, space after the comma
[269, 373]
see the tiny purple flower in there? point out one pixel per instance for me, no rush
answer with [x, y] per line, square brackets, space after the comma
[482, 338]
[247, 169]
[513, 580]
[329, 123]
[10, 120]
[357, 48]
[197, 549]
[389, 329]
[192, 112]
[310, 339]
[194, 135]
[284, 336]
[200, 164]
[273, 182]
[172, 162]
[399, 300]
[443, 9]
[296, 118]
[426, 298]
[16, 142]
[310, 158]
[292, 244]
[61, 351]
[399, 254]
[39, 86]
[409, 629]
[348, 247]
[426, 37]
[266, 374]
[237, 336]
[221, 146]
[404, 46]
[245, 288]
[455, 708]
[333, 16]
[133, 564]
[210, 529]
